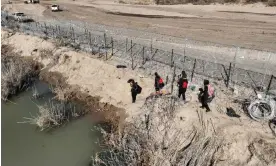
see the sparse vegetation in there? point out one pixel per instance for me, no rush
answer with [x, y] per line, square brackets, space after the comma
[17, 72]
[52, 114]
[157, 140]
[46, 53]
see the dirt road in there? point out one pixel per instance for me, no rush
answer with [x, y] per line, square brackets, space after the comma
[248, 29]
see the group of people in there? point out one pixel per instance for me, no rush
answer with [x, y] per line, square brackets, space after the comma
[206, 94]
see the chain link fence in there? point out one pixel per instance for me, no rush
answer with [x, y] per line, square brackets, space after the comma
[147, 57]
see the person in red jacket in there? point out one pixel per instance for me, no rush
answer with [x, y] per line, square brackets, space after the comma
[182, 85]
[158, 83]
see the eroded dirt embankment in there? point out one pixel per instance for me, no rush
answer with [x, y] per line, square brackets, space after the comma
[19, 72]
[159, 131]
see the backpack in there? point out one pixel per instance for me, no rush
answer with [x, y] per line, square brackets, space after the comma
[138, 89]
[185, 84]
[161, 83]
[211, 91]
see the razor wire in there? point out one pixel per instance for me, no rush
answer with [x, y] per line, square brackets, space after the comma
[146, 56]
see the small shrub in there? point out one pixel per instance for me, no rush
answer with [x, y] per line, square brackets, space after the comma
[46, 53]
[52, 114]
[271, 2]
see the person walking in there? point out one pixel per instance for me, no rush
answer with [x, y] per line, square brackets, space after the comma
[205, 95]
[135, 89]
[182, 85]
[158, 83]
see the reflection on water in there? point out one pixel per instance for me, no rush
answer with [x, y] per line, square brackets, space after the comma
[25, 145]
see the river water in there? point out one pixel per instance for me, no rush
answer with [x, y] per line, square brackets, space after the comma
[25, 145]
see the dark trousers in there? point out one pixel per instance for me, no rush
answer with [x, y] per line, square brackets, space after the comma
[133, 94]
[182, 91]
[205, 104]
[157, 89]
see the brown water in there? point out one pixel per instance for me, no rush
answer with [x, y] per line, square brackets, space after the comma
[25, 145]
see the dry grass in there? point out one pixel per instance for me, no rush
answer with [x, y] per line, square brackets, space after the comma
[46, 53]
[17, 72]
[52, 114]
[157, 140]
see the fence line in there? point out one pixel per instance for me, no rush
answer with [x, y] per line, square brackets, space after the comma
[137, 55]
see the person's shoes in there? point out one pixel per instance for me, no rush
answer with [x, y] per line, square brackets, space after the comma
[201, 107]
[208, 110]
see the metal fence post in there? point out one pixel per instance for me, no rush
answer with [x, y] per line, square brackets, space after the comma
[143, 55]
[172, 62]
[104, 40]
[193, 70]
[234, 65]
[173, 79]
[73, 34]
[184, 58]
[228, 75]
[269, 84]
[90, 43]
[45, 28]
[126, 43]
[151, 47]
[58, 29]
[99, 51]
[112, 48]
[53, 31]
[132, 60]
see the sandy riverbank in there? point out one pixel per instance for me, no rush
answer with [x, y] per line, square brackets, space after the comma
[245, 142]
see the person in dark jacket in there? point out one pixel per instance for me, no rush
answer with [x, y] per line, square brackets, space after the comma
[158, 83]
[135, 89]
[205, 95]
[182, 85]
